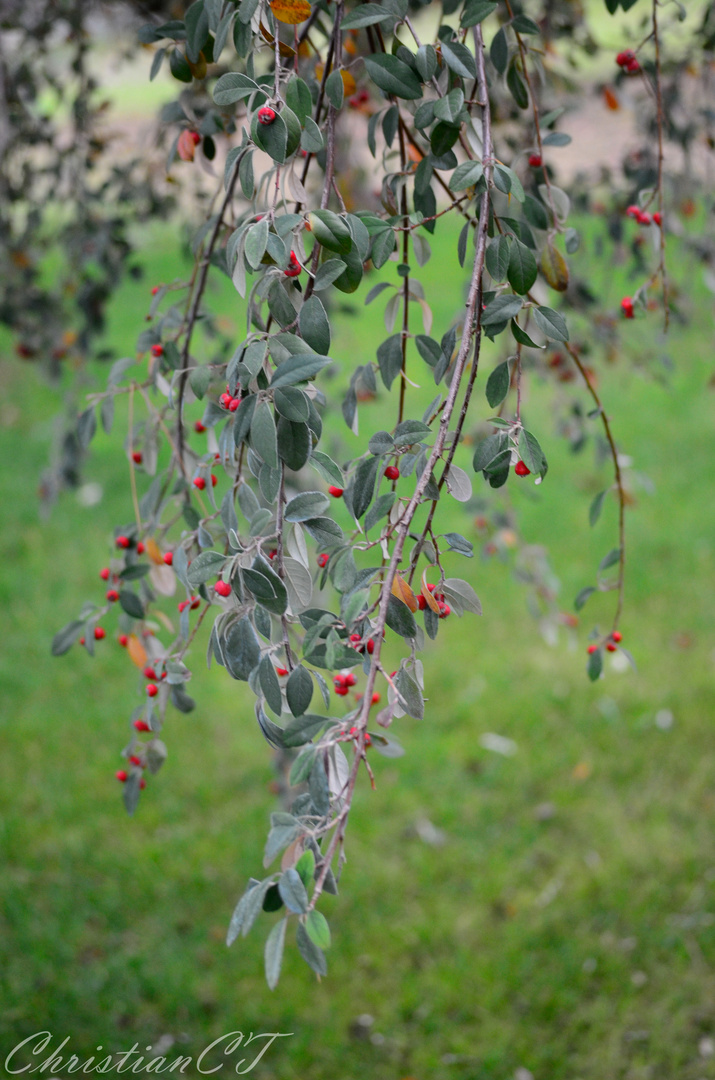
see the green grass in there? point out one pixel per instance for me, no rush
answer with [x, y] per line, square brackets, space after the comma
[577, 946]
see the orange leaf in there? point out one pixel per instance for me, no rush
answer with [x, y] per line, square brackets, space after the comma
[349, 84]
[611, 100]
[186, 147]
[152, 550]
[283, 49]
[403, 592]
[554, 268]
[291, 11]
[136, 650]
[431, 602]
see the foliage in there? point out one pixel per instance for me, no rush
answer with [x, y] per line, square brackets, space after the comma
[242, 495]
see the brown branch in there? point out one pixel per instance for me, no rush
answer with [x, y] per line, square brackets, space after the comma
[659, 100]
[470, 325]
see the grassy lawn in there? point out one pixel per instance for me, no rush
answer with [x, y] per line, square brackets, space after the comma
[566, 925]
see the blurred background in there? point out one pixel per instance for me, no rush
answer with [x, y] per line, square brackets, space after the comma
[530, 891]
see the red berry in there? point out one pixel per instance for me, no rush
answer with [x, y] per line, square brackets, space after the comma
[141, 725]
[142, 783]
[521, 469]
[137, 457]
[135, 760]
[121, 776]
[195, 602]
[82, 640]
[266, 115]
[182, 604]
[123, 640]
[155, 290]
[627, 307]
[323, 559]
[444, 610]
[643, 218]
[392, 472]
[199, 483]
[336, 492]
[157, 350]
[617, 636]
[123, 542]
[610, 646]
[141, 548]
[632, 67]
[226, 399]
[658, 218]
[272, 553]
[623, 59]
[168, 557]
[421, 602]
[592, 649]
[294, 267]
[152, 689]
[370, 646]
[349, 679]
[341, 690]
[633, 212]
[223, 588]
[354, 733]
[112, 596]
[281, 671]
[196, 137]
[104, 573]
[375, 698]
[199, 427]
[535, 161]
[233, 404]
[99, 633]
[355, 638]
[214, 480]
[149, 673]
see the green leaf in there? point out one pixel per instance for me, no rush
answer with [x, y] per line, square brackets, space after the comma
[531, 453]
[331, 231]
[197, 30]
[524, 25]
[411, 695]
[299, 690]
[490, 451]
[298, 369]
[516, 85]
[409, 432]
[610, 560]
[475, 11]
[498, 384]
[522, 269]
[273, 138]
[461, 595]
[400, 618]
[297, 96]
[263, 432]
[535, 212]
[293, 892]
[366, 15]
[583, 596]
[86, 427]
[460, 544]
[459, 59]
[522, 337]
[312, 138]
[334, 89]
[314, 325]
[306, 867]
[497, 258]
[389, 357]
[240, 649]
[363, 485]
[233, 87]
[328, 272]
[501, 309]
[270, 685]
[303, 728]
[65, 638]
[292, 403]
[450, 106]
[382, 244]
[316, 925]
[200, 377]
[499, 51]
[255, 243]
[595, 508]
[308, 504]
[205, 565]
[131, 603]
[274, 953]
[595, 664]
[327, 468]
[466, 175]
[393, 76]
[312, 955]
[551, 323]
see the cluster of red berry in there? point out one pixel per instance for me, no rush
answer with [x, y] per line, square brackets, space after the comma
[356, 642]
[354, 734]
[444, 608]
[612, 643]
[628, 62]
[200, 481]
[643, 217]
[358, 99]
[627, 307]
[228, 401]
[343, 682]
[193, 603]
